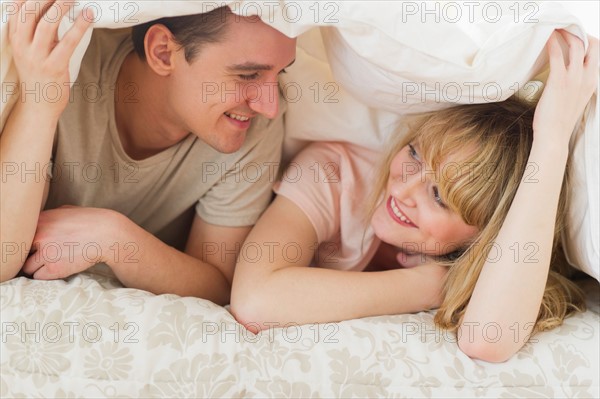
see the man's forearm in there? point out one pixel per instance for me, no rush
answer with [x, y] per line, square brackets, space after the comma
[26, 141]
[25, 149]
[142, 261]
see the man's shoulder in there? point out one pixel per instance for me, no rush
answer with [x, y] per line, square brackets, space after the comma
[102, 51]
[105, 41]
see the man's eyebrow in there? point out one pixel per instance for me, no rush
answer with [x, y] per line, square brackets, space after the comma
[253, 66]
[250, 66]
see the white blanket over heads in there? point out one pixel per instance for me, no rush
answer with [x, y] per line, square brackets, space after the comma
[373, 61]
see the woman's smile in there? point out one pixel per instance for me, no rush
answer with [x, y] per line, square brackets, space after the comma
[397, 215]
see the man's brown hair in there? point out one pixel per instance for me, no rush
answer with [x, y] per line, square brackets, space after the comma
[190, 31]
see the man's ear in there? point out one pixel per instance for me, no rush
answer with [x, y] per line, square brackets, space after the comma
[160, 49]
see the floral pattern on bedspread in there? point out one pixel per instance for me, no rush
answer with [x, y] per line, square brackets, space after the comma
[88, 336]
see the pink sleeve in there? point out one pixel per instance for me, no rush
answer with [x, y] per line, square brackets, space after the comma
[312, 181]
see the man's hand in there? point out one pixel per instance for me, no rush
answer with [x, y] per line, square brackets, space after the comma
[69, 240]
[42, 60]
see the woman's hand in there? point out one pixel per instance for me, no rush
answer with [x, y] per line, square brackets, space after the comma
[42, 61]
[572, 81]
[389, 257]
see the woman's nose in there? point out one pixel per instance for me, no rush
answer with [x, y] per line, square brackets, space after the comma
[406, 188]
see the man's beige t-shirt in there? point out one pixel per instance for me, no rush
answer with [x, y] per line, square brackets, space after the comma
[160, 193]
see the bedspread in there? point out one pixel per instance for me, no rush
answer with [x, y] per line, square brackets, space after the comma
[89, 337]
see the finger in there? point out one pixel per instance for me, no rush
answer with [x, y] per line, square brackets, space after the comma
[406, 260]
[555, 53]
[33, 263]
[65, 48]
[47, 30]
[45, 273]
[29, 15]
[576, 49]
[42, 9]
[14, 11]
[591, 65]
[34, 248]
[591, 58]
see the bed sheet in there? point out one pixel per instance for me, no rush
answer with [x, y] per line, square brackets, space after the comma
[89, 337]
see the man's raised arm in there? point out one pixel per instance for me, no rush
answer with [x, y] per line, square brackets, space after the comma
[26, 140]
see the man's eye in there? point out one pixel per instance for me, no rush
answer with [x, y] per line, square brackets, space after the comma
[249, 77]
[283, 71]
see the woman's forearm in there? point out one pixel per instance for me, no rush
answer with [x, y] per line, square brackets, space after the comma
[304, 295]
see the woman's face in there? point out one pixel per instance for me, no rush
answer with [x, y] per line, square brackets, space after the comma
[412, 215]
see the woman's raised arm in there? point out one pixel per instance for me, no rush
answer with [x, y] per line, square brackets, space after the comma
[506, 300]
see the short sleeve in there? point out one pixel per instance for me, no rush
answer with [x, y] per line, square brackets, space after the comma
[313, 182]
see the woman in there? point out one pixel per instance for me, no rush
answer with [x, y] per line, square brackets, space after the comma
[476, 188]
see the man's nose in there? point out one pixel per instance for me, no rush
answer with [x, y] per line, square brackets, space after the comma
[264, 99]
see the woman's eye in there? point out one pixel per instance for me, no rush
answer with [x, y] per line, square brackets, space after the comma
[413, 154]
[249, 77]
[437, 198]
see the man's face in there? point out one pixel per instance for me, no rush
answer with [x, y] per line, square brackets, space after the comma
[228, 83]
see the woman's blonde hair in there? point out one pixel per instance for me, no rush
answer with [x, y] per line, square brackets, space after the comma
[493, 142]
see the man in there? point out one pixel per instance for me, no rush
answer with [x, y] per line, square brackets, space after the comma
[156, 141]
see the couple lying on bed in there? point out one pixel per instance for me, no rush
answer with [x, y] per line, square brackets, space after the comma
[462, 212]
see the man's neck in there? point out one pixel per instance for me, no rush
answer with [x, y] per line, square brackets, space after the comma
[142, 117]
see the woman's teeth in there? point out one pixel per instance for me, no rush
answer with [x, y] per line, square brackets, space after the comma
[397, 212]
[237, 117]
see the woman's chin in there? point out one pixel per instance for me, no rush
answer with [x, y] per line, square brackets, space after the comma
[381, 230]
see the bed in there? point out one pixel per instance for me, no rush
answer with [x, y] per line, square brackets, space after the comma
[90, 337]
[87, 336]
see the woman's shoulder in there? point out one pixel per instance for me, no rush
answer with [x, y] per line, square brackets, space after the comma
[335, 155]
[338, 147]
